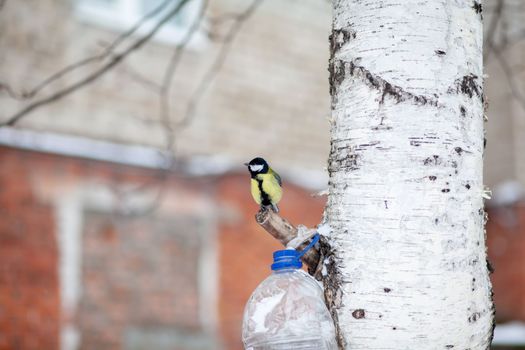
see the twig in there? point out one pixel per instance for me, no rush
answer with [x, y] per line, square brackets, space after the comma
[505, 45]
[225, 17]
[86, 61]
[496, 16]
[140, 78]
[514, 88]
[165, 89]
[11, 92]
[217, 64]
[115, 59]
[164, 102]
[165, 107]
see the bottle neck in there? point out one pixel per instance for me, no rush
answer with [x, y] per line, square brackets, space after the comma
[284, 270]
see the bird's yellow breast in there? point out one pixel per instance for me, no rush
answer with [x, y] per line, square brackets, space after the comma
[271, 190]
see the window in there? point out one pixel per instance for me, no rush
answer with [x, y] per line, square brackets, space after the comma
[120, 15]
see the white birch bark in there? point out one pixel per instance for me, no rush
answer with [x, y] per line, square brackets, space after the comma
[405, 206]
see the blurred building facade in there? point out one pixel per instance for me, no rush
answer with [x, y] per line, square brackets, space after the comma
[91, 261]
[102, 248]
[505, 164]
[269, 98]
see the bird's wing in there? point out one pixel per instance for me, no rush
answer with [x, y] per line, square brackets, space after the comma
[278, 177]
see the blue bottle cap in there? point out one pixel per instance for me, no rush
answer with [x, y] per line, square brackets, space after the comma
[286, 259]
[291, 258]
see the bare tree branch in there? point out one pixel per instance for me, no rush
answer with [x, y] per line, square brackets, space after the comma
[217, 64]
[11, 92]
[164, 102]
[510, 76]
[115, 59]
[283, 231]
[229, 16]
[140, 78]
[498, 28]
[496, 17]
[86, 61]
[165, 90]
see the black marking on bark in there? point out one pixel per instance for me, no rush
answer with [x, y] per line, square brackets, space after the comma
[458, 150]
[336, 76]
[474, 317]
[463, 111]
[332, 282]
[432, 178]
[468, 85]
[445, 190]
[381, 125]
[358, 314]
[478, 8]
[339, 37]
[386, 204]
[467, 186]
[449, 346]
[434, 160]
[440, 52]
[394, 328]
[339, 69]
[493, 318]
[417, 141]
[490, 267]
[342, 158]
[364, 146]
[387, 290]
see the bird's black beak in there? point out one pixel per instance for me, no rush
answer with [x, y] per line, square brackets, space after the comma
[246, 164]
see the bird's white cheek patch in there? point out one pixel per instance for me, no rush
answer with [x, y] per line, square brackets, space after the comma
[256, 168]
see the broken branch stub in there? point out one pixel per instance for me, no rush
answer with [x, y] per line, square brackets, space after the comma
[284, 232]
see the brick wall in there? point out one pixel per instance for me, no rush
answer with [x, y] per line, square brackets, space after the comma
[137, 274]
[506, 247]
[141, 275]
[29, 296]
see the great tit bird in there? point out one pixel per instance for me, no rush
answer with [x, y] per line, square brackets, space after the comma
[265, 184]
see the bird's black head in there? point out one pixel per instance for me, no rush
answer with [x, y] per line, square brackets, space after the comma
[257, 166]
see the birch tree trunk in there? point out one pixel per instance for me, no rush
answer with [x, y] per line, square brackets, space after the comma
[408, 266]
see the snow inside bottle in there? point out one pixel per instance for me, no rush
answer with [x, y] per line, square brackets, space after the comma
[287, 310]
